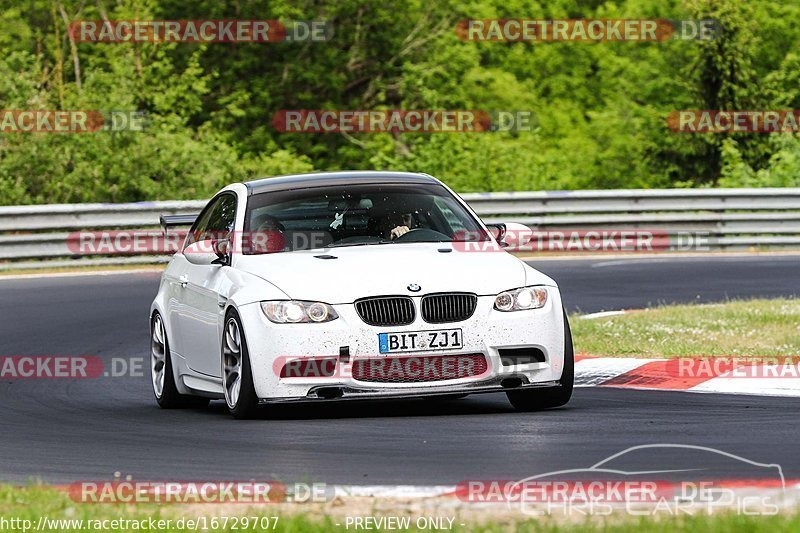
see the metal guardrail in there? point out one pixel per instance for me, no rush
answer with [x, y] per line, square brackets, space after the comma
[732, 219]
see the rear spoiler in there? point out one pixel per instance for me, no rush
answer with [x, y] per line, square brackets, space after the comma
[171, 221]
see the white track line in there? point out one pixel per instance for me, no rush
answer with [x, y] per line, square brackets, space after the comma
[603, 314]
[751, 386]
[596, 370]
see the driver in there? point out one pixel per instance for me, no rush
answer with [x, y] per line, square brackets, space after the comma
[268, 236]
[397, 225]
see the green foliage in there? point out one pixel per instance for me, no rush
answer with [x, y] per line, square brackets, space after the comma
[600, 107]
[782, 170]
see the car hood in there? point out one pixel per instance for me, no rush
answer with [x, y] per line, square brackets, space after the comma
[350, 273]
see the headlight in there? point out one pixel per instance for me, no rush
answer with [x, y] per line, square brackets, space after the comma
[293, 311]
[521, 299]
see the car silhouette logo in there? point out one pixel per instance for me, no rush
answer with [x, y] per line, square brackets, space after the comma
[679, 466]
[413, 287]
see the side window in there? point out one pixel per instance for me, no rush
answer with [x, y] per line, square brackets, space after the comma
[221, 220]
[215, 222]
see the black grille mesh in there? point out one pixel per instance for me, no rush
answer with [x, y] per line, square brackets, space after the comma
[386, 310]
[448, 307]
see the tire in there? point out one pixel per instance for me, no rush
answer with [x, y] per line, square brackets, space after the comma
[546, 398]
[161, 375]
[237, 375]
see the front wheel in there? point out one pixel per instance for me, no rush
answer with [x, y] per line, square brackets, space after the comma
[161, 373]
[237, 377]
[545, 398]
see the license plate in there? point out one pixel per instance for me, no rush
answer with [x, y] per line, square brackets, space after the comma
[414, 341]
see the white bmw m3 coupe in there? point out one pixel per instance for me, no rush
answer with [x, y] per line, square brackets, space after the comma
[352, 285]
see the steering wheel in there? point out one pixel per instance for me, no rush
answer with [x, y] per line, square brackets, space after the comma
[270, 223]
[268, 236]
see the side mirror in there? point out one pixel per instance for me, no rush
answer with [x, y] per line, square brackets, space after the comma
[497, 231]
[511, 235]
[222, 248]
[208, 252]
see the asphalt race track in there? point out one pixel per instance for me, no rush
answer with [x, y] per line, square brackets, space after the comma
[610, 284]
[68, 430]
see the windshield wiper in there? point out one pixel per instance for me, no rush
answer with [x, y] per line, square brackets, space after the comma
[366, 243]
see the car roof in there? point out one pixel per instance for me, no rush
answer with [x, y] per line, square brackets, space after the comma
[323, 179]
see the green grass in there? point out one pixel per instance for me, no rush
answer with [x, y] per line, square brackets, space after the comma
[30, 503]
[734, 328]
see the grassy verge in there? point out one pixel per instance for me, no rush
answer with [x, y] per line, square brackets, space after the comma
[741, 327]
[18, 505]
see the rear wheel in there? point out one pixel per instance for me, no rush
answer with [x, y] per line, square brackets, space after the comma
[161, 374]
[545, 398]
[237, 377]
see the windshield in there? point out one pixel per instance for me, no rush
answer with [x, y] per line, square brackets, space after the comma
[356, 215]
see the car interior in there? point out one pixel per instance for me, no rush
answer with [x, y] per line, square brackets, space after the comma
[324, 220]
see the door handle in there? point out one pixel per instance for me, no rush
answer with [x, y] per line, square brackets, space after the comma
[184, 280]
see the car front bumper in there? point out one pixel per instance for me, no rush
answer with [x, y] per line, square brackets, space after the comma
[326, 393]
[488, 331]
